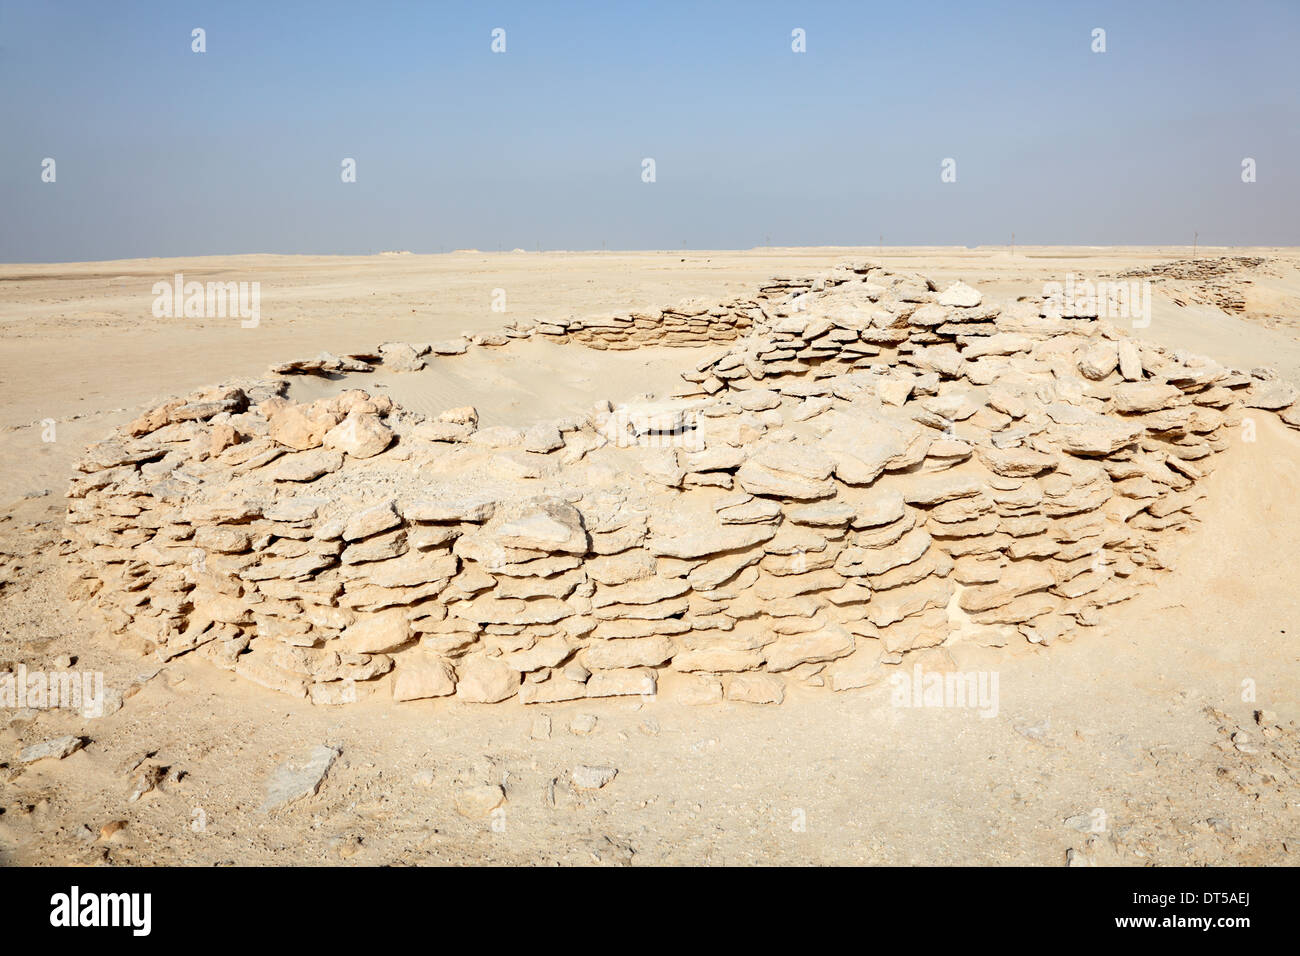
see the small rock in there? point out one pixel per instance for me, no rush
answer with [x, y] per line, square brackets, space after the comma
[592, 778]
[463, 415]
[477, 802]
[583, 724]
[58, 748]
[756, 688]
[698, 690]
[485, 680]
[372, 521]
[145, 781]
[400, 357]
[111, 829]
[422, 676]
[1080, 821]
[961, 295]
[295, 779]
[543, 438]
[360, 435]
[541, 727]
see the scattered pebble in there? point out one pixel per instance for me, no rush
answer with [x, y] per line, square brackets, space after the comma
[477, 802]
[1036, 732]
[145, 781]
[583, 724]
[350, 847]
[592, 778]
[1080, 821]
[295, 779]
[111, 829]
[58, 748]
[541, 727]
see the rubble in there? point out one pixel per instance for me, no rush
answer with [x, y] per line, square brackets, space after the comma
[873, 467]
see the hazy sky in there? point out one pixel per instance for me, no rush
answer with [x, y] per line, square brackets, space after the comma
[163, 151]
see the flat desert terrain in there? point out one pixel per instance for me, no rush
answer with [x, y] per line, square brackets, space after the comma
[1166, 735]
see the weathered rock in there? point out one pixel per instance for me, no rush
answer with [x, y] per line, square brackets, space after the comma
[934, 489]
[648, 651]
[54, 749]
[360, 435]
[1018, 462]
[586, 777]
[299, 778]
[878, 507]
[423, 676]
[756, 688]
[685, 534]
[485, 680]
[862, 668]
[475, 803]
[788, 471]
[1273, 395]
[623, 682]
[371, 521]
[306, 466]
[378, 632]
[541, 524]
[791, 650]
[1099, 361]
[961, 295]
[301, 427]
[1135, 397]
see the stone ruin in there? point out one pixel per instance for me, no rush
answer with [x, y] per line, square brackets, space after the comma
[873, 468]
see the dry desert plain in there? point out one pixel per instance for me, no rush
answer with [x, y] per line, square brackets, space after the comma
[1116, 748]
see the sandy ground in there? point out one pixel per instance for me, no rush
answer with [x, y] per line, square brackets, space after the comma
[1116, 747]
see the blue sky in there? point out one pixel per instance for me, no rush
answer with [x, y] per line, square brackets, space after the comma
[162, 151]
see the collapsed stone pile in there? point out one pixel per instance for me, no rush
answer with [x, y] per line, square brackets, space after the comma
[1221, 281]
[687, 325]
[875, 467]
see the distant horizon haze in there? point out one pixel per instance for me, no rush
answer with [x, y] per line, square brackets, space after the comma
[948, 124]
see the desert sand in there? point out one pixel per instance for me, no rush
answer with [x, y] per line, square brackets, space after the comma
[1117, 748]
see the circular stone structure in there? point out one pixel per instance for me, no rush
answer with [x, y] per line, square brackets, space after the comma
[863, 467]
